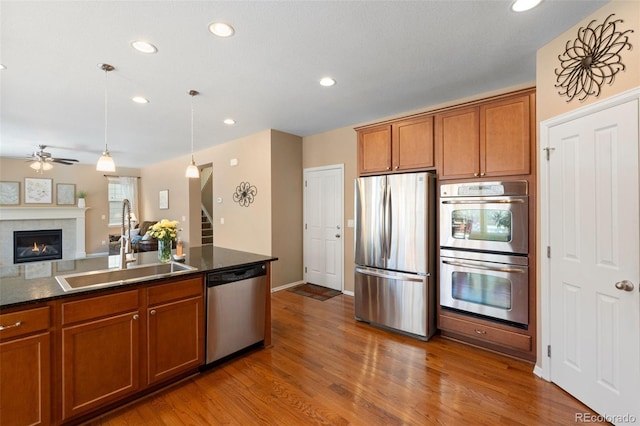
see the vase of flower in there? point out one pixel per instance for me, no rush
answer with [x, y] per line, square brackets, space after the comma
[164, 250]
[165, 232]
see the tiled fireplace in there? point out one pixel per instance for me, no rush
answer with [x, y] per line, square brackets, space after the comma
[70, 220]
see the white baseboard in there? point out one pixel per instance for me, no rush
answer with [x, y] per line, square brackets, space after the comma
[286, 286]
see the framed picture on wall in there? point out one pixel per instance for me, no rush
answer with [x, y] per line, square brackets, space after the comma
[38, 191]
[9, 193]
[163, 199]
[65, 193]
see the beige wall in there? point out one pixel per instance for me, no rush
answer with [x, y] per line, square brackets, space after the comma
[551, 104]
[166, 175]
[337, 147]
[86, 178]
[286, 201]
[244, 228]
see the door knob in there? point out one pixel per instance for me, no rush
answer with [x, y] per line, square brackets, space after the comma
[337, 235]
[625, 285]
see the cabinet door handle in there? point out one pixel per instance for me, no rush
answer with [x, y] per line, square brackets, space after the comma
[480, 331]
[152, 312]
[136, 316]
[482, 174]
[4, 327]
[475, 174]
[397, 167]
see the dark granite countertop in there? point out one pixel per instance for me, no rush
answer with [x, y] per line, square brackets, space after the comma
[35, 282]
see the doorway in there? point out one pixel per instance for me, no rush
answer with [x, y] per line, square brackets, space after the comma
[590, 275]
[323, 244]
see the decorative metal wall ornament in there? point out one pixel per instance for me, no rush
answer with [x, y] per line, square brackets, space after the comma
[245, 193]
[592, 59]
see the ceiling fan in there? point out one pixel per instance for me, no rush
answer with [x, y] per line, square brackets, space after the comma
[41, 160]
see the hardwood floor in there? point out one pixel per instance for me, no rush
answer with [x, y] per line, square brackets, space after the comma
[326, 368]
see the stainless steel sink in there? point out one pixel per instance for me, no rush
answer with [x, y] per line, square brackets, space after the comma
[113, 277]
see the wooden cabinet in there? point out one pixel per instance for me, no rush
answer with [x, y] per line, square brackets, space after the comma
[100, 351]
[486, 140]
[175, 337]
[486, 334]
[25, 363]
[403, 145]
[120, 344]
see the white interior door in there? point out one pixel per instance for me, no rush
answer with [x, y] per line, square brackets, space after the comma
[323, 222]
[594, 241]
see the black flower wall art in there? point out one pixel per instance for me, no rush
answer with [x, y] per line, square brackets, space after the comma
[245, 194]
[592, 59]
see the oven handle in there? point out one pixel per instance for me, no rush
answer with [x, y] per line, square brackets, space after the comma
[486, 268]
[509, 201]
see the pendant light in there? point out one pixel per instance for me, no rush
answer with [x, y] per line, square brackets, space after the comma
[192, 170]
[105, 163]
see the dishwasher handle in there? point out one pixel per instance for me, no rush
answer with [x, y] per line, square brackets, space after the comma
[236, 274]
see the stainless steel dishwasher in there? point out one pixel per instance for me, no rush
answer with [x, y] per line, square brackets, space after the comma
[236, 301]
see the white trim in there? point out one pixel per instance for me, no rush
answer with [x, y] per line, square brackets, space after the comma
[543, 369]
[286, 286]
[304, 213]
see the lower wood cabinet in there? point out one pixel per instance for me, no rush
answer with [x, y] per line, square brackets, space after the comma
[515, 342]
[25, 365]
[175, 324]
[116, 345]
[100, 351]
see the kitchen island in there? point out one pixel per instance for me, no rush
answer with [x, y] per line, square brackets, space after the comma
[69, 355]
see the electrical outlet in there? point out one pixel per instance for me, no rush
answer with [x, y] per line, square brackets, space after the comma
[222, 221]
[104, 243]
[103, 217]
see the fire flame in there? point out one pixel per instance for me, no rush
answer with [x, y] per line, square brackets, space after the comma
[36, 249]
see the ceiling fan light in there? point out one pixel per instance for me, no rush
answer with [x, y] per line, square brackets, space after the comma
[35, 165]
[192, 171]
[47, 166]
[106, 163]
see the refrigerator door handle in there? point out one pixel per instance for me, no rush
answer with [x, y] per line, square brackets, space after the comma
[391, 276]
[382, 227]
[388, 219]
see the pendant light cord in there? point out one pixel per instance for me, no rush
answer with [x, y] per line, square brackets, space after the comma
[106, 103]
[192, 95]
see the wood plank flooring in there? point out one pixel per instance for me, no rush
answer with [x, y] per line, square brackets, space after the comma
[326, 368]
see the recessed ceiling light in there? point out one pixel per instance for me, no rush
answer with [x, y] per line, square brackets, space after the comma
[327, 82]
[144, 46]
[221, 29]
[524, 5]
[3, 67]
[229, 121]
[140, 100]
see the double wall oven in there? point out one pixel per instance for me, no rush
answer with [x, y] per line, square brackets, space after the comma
[484, 248]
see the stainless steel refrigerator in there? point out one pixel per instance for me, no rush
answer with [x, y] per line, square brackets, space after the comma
[395, 252]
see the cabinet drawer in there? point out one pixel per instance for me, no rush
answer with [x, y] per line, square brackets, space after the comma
[189, 287]
[24, 322]
[486, 333]
[99, 306]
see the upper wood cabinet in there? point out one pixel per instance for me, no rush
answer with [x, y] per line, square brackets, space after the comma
[402, 145]
[486, 140]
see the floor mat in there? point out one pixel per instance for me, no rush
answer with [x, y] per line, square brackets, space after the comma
[314, 291]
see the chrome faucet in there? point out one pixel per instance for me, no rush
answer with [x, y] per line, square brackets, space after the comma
[125, 240]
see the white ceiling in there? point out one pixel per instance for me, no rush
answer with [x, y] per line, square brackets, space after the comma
[388, 57]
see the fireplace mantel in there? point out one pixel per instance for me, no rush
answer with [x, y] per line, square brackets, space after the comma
[39, 213]
[18, 217]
